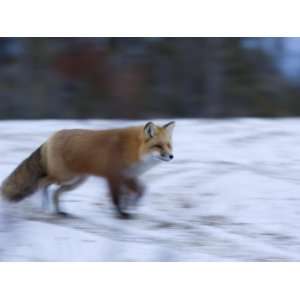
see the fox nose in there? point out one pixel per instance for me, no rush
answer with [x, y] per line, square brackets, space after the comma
[171, 156]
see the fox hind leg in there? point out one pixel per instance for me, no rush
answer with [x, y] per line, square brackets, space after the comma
[44, 184]
[66, 187]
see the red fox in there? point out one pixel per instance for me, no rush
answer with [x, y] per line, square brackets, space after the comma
[69, 156]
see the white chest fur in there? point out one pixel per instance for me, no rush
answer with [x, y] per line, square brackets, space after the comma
[145, 164]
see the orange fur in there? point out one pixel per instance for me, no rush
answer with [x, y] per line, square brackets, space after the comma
[118, 155]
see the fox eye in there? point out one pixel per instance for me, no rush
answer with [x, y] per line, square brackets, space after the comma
[158, 146]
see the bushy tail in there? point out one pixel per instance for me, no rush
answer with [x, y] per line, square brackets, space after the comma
[24, 180]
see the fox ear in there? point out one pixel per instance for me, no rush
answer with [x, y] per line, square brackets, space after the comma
[149, 130]
[170, 127]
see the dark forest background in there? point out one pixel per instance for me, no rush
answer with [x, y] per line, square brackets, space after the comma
[145, 77]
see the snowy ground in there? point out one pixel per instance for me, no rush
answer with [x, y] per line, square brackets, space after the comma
[230, 194]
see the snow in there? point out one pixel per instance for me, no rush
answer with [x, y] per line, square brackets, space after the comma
[230, 194]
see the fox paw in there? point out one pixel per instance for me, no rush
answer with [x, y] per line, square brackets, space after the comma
[62, 214]
[124, 216]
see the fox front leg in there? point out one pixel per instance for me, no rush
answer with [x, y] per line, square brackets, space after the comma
[115, 191]
[135, 190]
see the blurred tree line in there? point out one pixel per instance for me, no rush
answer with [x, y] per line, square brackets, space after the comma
[143, 77]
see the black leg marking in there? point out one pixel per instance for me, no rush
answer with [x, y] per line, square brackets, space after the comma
[115, 191]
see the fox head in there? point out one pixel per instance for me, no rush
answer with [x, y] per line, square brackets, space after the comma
[158, 141]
